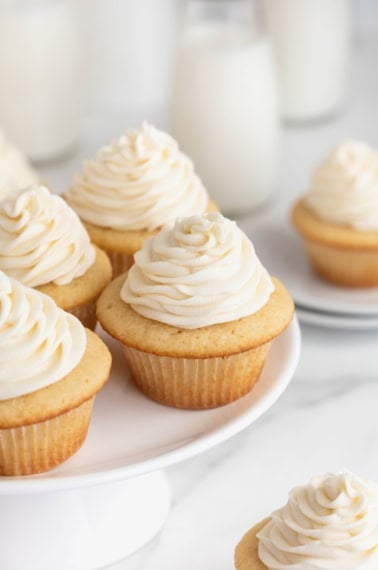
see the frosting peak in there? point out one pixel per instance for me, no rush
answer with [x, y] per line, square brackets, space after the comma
[330, 524]
[41, 239]
[15, 170]
[344, 187]
[140, 182]
[39, 343]
[201, 272]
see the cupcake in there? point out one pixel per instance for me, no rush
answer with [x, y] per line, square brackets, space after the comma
[196, 314]
[338, 216]
[51, 368]
[132, 188]
[15, 170]
[331, 523]
[44, 245]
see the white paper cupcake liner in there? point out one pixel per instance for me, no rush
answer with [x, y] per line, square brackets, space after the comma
[41, 446]
[196, 383]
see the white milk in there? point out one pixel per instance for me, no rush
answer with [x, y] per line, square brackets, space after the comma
[225, 113]
[311, 38]
[38, 76]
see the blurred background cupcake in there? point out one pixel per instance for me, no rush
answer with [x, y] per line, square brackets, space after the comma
[337, 217]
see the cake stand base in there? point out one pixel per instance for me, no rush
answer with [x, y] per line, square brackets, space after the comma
[82, 529]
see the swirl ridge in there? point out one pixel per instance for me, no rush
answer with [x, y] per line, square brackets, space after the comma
[203, 271]
[39, 343]
[141, 181]
[330, 524]
[42, 239]
[344, 188]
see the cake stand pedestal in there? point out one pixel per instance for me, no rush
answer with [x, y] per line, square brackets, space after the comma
[82, 529]
[112, 497]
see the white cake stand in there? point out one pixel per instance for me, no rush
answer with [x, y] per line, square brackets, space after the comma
[112, 496]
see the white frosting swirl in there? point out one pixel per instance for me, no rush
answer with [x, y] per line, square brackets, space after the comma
[15, 170]
[39, 343]
[140, 182]
[203, 271]
[42, 239]
[344, 187]
[331, 524]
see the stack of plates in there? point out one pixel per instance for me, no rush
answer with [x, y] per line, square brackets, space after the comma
[318, 303]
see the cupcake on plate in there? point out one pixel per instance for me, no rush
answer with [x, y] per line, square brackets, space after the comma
[196, 313]
[338, 216]
[51, 368]
[331, 523]
[132, 188]
[15, 170]
[44, 245]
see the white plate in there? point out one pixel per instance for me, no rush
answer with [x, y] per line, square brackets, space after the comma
[333, 321]
[131, 435]
[283, 255]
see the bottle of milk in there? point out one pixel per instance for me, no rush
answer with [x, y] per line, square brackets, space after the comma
[39, 76]
[312, 41]
[225, 110]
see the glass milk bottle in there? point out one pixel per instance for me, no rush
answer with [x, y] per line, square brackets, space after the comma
[39, 78]
[225, 109]
[312, 42]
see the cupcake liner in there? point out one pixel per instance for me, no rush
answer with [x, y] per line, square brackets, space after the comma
[86, 313]
[41, 446]
[196, 383]
[342, 266]
[121, 262]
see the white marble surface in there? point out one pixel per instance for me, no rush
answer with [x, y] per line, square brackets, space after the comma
[326, 420]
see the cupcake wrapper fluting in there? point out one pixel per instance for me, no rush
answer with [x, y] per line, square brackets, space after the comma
[343, 266]
[196, 383]
[41, 446]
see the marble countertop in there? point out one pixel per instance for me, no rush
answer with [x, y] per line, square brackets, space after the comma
[325, 421]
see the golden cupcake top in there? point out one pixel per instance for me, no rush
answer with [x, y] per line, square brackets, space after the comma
[42, 240]
[39, 343]
[141, 181]
[343, 189]
[201, 272]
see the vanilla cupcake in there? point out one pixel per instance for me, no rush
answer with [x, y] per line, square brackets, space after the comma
[15, 170]
[132, 188]
[196, 313]
[338, 216]
[50, 371]
[331, 523]
[44, 245]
